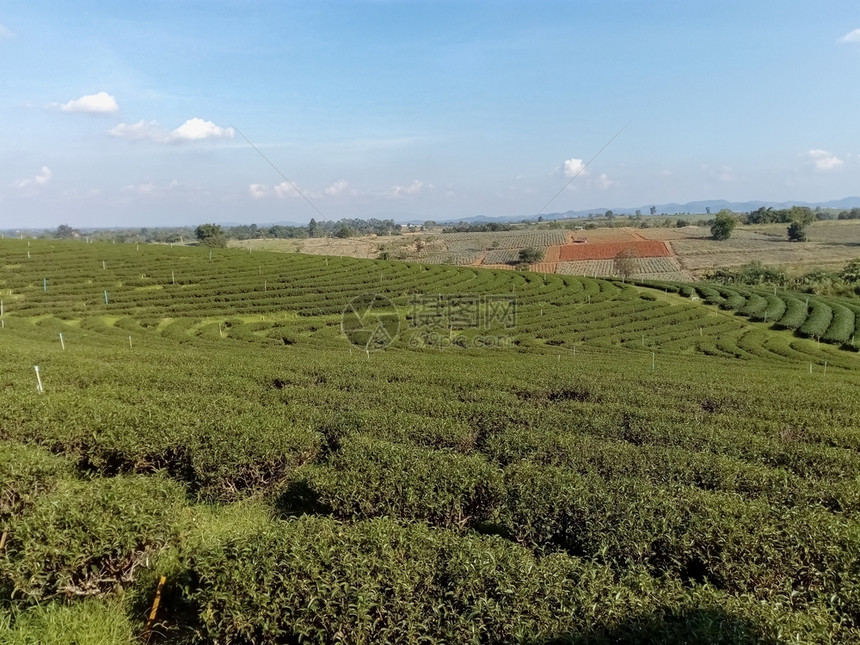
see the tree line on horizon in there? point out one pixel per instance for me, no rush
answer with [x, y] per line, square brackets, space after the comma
[797, 217]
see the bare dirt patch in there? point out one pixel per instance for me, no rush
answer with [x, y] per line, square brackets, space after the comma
[608, 250]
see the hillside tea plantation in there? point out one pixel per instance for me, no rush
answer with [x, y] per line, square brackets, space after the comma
[651, 462]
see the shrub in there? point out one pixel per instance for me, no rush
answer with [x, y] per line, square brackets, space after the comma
[796, 232]
[376, 581]
[369, 478]
[724, 224]
[530, 255]
[841, 326]
[795, 313]
[27, 472]
[88, 537]
[818, 320]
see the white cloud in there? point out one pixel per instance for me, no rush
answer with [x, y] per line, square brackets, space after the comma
[258, 191]
[603, 182]
[283, 190]
[137, 131]
[851, 37]
[192, 130]
[41, 179]
[412, 189]
[823, 160]
[574, 167]
[337, 188]
[197, 129]
[286, 189]
[149, 188]
[146, 189]
[5, 32]
[101, 103]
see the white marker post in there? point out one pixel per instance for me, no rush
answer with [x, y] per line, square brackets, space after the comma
[39, 387]
[106, 297]
[62, 344]
[129, 341]
[104, 266]
[652, 360]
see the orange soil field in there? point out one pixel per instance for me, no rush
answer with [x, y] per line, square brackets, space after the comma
[608, 250]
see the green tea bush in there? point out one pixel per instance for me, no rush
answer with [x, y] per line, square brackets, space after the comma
[795, 313]
[816, 324]
[775, 309]
[27, 472]
[734, 301]
[88, 537]
[755, 306]
[611, 459]
[376, 581]
[743, 547]
[314, 580]
[841, 326]
[369, 478]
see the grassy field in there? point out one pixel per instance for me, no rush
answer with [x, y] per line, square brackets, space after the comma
[532, 458]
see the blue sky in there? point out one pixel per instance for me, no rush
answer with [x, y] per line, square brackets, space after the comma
[130, 113]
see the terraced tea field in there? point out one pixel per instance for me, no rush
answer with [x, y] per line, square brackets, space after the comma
[534, 458]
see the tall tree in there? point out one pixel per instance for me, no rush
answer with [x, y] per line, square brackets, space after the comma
[724, 224]
[211, 235]
[796, 232]
[626, 262]
[65, 232]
